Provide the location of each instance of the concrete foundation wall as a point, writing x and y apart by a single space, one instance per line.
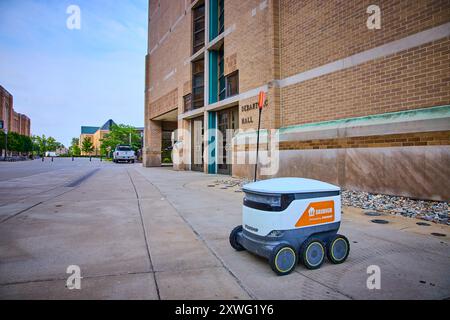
402 153
418 172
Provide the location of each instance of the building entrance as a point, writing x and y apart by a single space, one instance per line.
197 144
227 124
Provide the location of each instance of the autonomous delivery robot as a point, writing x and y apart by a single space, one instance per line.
290 219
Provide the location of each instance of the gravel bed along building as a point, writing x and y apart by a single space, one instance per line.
433 211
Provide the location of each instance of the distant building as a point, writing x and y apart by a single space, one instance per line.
62 151
12 120
95 134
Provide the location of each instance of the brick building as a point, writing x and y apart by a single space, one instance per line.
12 120
95 134
363 107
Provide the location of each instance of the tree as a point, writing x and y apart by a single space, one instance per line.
16 142
40 144
2 140
27 144
74 148
52 144
36 144
120 134
87 146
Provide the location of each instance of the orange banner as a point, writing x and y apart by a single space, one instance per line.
261 99
317 213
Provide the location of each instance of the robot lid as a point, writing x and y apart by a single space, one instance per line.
289 186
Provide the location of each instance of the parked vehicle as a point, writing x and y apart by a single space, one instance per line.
124 153
51 154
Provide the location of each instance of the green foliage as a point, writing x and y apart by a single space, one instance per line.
120 134
74 148
42 144
16 142
51 144
38 145
87 146
2 140
75 142
28 144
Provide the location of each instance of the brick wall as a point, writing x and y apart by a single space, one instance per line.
6 108
413 79
13 121
25 125
169 49
164 104
391 140
314 33
275 39
246 48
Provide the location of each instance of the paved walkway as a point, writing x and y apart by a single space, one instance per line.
153 233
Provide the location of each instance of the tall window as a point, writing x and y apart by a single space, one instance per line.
198 83
221 16
198 28
221 66
187 102
232 81
216 18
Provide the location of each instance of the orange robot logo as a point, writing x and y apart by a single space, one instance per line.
317 213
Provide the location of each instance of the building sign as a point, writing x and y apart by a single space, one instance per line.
247 120
247 108
251 107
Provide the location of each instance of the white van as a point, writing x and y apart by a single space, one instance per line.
50 154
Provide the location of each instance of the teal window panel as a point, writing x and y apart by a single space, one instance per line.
213 19
213 76
212 129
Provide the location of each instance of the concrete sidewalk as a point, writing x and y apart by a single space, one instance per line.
413 263
140 233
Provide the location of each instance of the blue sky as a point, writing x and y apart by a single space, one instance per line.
63 79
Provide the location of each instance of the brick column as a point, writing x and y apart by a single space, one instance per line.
273 94
153 144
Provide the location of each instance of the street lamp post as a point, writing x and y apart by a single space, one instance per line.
6 143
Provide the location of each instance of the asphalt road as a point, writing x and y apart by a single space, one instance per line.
20 169
153 233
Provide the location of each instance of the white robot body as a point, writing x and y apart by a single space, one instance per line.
284 218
